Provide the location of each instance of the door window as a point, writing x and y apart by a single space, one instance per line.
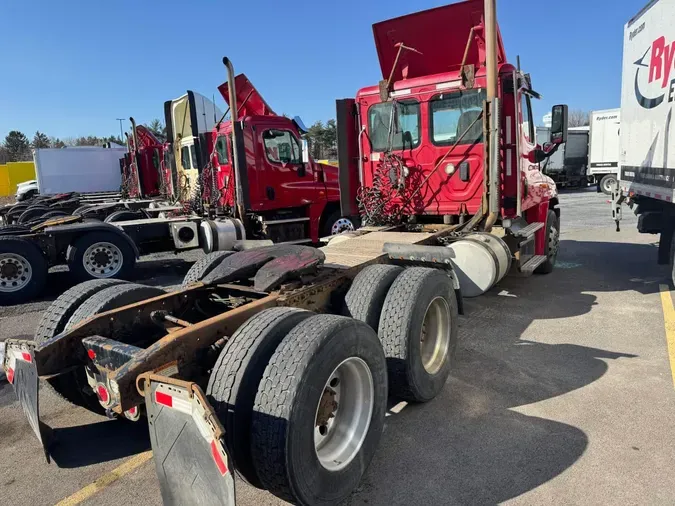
456 114
193 155
221 149
185 158
528 124
281 146
155 158
394 127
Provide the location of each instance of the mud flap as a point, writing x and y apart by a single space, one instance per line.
191 461
22 374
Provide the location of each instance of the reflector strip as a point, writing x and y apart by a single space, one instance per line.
173 402
26 357
163 399
218 458
10 375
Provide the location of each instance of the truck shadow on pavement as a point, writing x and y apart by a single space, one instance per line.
112 439
469 445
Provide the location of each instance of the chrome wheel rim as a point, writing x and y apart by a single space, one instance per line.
435 335
342 225
15 272
102 260
343 414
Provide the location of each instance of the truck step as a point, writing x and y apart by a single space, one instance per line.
534 262
528 230
281 222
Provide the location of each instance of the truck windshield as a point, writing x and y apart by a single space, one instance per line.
453 113
406 131
221 149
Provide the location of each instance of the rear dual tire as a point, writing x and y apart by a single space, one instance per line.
418 329
294 398
71 308
415 313
276 379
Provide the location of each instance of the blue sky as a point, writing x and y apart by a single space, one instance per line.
70 68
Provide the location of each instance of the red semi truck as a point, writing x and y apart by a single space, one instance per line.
276 362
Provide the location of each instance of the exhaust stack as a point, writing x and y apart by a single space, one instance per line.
493 119
236 139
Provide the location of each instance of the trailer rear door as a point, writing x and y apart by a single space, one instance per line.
603 156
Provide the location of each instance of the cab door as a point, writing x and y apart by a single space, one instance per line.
286 181
531 175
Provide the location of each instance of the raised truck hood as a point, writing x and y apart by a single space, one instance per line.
440 34
249 101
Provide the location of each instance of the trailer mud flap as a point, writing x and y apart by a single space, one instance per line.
22 373
192 464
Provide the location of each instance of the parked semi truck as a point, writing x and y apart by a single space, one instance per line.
183 202
276 362
603 149
647 161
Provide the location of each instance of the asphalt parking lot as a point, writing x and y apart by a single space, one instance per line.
562 394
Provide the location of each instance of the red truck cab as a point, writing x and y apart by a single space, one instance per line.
145 168
289 196
413 147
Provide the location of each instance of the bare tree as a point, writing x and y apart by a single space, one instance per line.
578 118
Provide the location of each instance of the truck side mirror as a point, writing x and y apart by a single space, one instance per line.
305 151
559 124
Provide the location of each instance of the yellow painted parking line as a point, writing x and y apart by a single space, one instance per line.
107 479
669 320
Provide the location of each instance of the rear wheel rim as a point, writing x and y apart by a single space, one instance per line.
15 272
435 335
553 242
609 183
343 414
102 260
342 225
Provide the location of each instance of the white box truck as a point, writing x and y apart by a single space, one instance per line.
603 149
81 170
647 144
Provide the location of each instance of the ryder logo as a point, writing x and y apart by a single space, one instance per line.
660 68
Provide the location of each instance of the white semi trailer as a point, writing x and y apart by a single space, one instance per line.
647 149
603 149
